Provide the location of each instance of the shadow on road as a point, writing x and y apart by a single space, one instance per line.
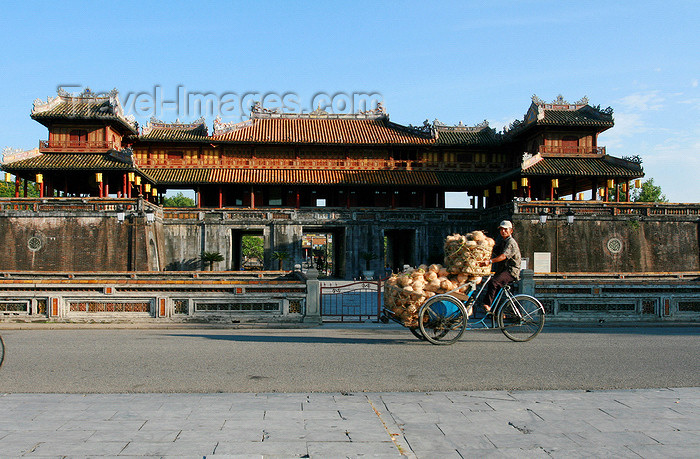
303 339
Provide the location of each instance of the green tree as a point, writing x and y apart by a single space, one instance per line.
7 190
179 200
649 193
252 246
211 258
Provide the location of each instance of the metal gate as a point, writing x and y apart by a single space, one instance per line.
353 302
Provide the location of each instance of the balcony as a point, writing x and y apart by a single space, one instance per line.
89 146
571 151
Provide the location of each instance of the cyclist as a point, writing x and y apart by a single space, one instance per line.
507 254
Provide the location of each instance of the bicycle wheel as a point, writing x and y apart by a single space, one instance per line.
521 318
442 319
2 351
417 333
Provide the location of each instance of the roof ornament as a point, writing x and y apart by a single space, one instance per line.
319 112
426 128
222 128
10 155
460 127
155 123
109 100
257 109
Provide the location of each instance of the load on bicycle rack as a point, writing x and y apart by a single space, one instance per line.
436 303
444 318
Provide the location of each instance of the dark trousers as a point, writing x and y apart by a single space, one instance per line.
499 280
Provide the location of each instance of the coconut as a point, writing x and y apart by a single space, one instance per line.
477 236
431 275
446 285
434 268
404 281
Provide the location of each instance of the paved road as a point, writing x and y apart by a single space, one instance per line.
544 424
378 358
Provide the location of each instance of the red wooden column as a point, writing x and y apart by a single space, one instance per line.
17 185
221 197
252 198
199 197
298 200
124 185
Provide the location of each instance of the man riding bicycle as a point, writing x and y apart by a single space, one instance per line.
507 255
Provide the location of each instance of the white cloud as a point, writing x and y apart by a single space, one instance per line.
626 125
642 101
694 83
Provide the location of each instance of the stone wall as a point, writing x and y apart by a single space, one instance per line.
74 235
59 234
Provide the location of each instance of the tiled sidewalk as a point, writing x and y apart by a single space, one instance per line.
622 423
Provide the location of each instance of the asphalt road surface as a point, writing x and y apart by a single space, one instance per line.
381 358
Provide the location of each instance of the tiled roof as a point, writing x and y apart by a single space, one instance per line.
481 137
185 135
585 116
177 131
378 131
69 161
604 166
318 177
84 106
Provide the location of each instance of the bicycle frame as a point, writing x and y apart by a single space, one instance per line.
502 296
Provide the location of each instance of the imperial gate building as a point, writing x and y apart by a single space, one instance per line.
360 182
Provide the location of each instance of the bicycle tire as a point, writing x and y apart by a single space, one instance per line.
2 351
442 319
417 333
521 318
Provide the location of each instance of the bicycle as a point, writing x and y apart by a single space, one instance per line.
2 351
444 318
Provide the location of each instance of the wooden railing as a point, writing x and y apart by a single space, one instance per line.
62 204
63 145
598 208
334 164
558 149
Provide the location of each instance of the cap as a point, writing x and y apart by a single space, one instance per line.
506 224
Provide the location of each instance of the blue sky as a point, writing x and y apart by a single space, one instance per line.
455 61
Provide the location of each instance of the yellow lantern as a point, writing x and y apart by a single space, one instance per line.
147 187
7 177
131 176
98 177
486 193
498 190
39 178
514 185
137 180
624 187
555 183
638 183
523 181
611 183
601 192
154 190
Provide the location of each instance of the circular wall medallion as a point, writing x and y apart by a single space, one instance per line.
614 245
34 243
